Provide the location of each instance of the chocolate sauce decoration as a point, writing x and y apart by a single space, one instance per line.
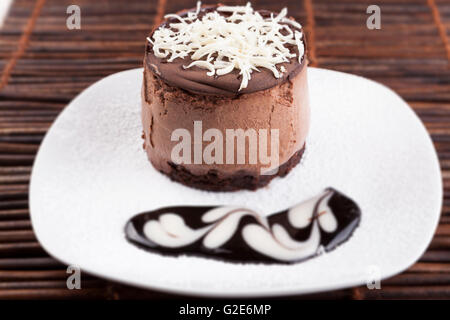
238 234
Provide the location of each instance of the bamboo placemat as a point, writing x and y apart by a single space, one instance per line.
44 65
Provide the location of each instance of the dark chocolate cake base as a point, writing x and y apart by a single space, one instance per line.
238 181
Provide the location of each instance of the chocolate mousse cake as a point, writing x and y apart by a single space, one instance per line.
224 97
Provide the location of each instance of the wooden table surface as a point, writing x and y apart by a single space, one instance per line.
44 65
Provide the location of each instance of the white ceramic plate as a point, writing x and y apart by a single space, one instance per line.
91 175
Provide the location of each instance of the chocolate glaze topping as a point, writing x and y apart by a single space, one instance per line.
242 235
195 80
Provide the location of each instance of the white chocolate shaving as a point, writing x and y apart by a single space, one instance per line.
242 40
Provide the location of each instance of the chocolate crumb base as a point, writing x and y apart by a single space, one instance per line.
238 181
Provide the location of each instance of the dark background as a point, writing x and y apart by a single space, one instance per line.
44 65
